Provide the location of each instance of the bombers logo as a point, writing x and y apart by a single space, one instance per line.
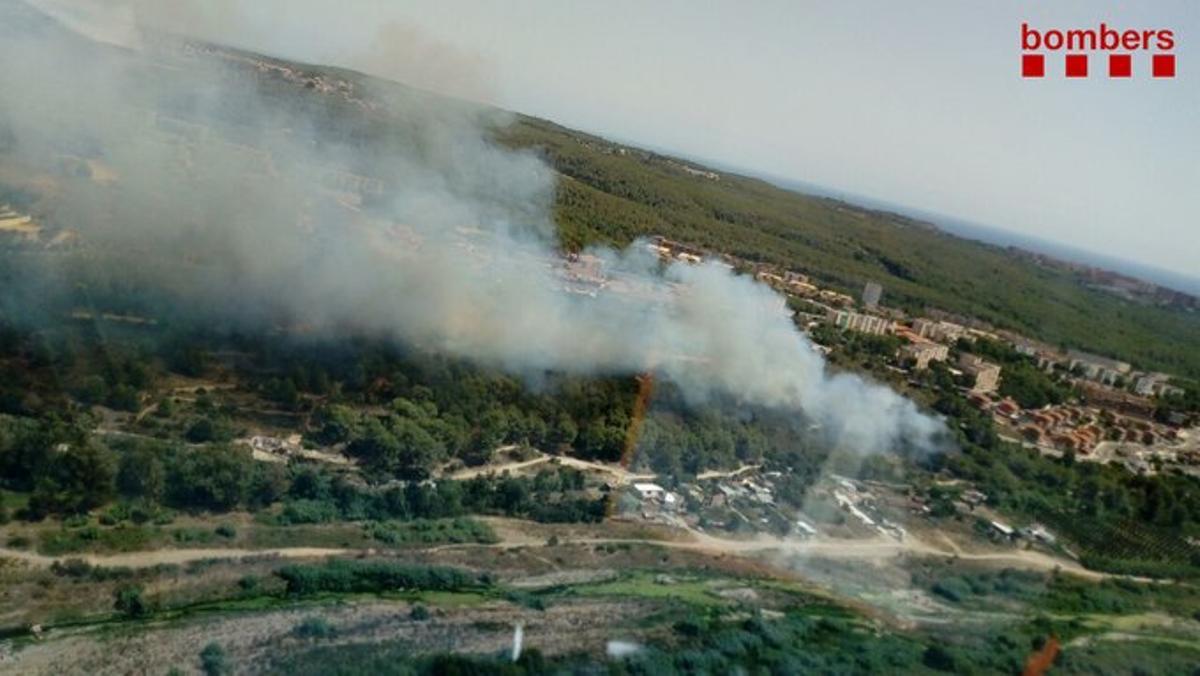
1120 46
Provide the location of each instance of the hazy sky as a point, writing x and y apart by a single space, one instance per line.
918 103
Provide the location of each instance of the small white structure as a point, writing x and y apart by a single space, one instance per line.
518 639
648 491
1038 532
974 497
619 649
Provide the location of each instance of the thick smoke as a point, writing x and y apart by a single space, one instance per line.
252 193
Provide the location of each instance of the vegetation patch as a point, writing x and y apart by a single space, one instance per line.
430 531
699 591
341 576
90 538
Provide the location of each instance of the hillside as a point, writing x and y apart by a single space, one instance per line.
612 194
298 374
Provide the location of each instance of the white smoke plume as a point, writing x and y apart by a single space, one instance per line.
253 192
518 639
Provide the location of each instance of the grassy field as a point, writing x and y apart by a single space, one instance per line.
691 590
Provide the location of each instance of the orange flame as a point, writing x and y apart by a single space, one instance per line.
1039 663
636 418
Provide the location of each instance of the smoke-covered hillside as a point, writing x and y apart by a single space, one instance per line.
179 182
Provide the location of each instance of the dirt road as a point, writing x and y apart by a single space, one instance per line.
623 475
513 533
151 558
717 474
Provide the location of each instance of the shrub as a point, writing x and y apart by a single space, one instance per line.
200 565
689 628
202 431
419 613
190 535
358 576
71 568
140 512
952 588
314 627
940 658
129 602
308 511
226 531
523 598
213 660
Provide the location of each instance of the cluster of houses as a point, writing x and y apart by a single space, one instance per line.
309 80
1108 385
718 502
785 281
655 498
856 499
669 250
1077 427
748 488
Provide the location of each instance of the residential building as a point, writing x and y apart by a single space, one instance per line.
1155 385
872 292
804 289
1007 408
985 375
1097 368
941 331
924 351
788 282
835 298
856 321
1045 356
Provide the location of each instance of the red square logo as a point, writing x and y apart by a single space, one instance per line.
1077 65
1163 65
1033 65
1120 65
